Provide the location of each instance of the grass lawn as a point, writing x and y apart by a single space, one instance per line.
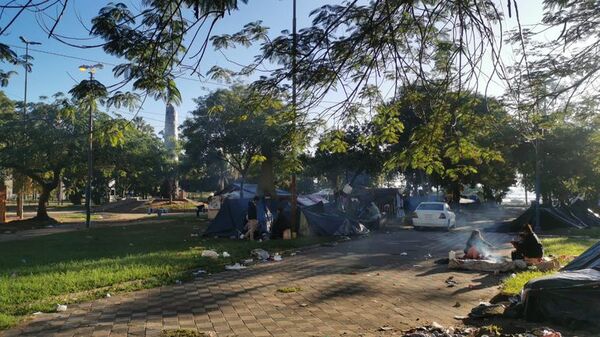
565 248
38 273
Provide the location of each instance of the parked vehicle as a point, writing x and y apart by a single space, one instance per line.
434 215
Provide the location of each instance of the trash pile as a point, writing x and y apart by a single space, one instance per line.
263 255
436 330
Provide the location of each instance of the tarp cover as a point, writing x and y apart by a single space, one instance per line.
569 297
550 218
327 220
230 219
322 219
249 191
589 259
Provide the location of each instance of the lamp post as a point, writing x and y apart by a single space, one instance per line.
294 106
27 66
91 69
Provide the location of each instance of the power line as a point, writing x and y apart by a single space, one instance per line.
37 50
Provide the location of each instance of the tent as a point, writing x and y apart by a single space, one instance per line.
321 219
382 197
311 199
550 218
326 220
230 219
565 298
250 190
588 259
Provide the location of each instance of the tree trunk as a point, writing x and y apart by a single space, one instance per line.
266 182
456 193
42 210
242 187
47 188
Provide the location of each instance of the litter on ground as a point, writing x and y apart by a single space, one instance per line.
260 254
236 266
210 254
437 330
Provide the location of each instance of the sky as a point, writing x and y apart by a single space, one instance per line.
55 65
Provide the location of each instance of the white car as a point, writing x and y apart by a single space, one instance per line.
434 215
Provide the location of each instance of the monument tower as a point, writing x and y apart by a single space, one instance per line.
170 138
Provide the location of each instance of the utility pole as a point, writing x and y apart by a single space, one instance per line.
294 209
20 184
88 192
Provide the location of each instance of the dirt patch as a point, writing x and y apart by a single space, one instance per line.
183 205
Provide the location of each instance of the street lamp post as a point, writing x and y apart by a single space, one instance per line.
294 207
91 69
20 192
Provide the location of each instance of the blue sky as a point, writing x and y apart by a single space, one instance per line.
52 73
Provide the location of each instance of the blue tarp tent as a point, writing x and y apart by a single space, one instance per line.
326 220
249 190
230 219
320 219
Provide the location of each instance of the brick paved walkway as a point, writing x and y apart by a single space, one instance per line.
351 289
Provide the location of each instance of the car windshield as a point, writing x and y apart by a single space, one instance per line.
431 207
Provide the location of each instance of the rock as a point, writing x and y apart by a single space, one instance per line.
226 254
456 305
108 295
385 328
61 308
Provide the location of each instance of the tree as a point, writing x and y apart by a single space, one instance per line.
448 137
41 144
241 128
50 139
341 156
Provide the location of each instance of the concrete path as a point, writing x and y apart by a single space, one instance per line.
351 289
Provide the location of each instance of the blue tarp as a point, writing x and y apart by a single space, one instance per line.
250 190
588 259
328 220
231 219
323 219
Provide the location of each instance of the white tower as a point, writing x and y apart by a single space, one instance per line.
170 138
170 132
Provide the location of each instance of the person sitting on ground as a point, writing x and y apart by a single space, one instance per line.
477 247
252 218
528 247
280 224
